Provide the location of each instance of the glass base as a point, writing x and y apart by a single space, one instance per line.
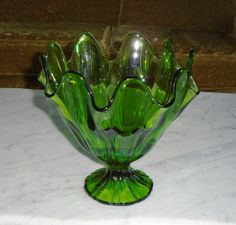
118 187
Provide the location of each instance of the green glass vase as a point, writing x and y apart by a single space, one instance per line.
117 109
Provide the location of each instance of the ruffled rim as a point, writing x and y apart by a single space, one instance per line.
188 68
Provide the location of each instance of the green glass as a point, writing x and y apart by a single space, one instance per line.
117 109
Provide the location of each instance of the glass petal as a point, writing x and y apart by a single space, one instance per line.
136 59
55 63
184 93
131 106
75 103
164 92
88 60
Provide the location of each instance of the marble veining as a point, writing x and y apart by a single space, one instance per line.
42 172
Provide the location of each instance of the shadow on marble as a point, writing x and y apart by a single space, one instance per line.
48 107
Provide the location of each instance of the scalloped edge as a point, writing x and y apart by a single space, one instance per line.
147 89
45 79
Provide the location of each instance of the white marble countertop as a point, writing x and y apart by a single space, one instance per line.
42 174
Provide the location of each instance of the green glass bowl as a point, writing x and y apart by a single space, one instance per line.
117 109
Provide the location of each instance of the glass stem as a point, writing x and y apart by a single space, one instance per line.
123 168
